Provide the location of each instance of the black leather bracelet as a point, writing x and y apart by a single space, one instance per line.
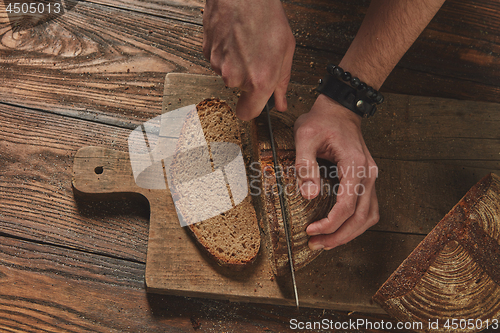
354 94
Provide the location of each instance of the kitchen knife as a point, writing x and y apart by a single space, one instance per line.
284 212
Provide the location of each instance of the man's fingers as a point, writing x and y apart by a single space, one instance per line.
347 203
251 45
306 166
232 75
251 104
364 218
215 60
280 94
356 225
356 208
339 214
282 86
255 94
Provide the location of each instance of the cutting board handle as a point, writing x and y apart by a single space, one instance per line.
101 170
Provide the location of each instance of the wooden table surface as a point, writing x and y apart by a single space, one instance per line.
94 72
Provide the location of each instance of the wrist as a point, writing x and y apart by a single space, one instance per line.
372 76
349 91
335 109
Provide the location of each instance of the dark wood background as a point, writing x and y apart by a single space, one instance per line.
90 74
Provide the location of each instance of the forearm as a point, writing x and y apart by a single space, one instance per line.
387 32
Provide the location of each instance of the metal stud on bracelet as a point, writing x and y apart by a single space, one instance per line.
350 91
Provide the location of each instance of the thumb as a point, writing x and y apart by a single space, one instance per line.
306 166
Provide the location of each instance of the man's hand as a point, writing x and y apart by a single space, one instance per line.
251 45
332 132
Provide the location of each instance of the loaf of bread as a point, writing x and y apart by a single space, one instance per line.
228 230
300 212
454 272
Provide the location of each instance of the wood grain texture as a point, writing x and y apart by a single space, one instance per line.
49 288
36 197
409 128
454 272
431 129
455 57
114 67
37 155
106 60
38 203
176 266
190 11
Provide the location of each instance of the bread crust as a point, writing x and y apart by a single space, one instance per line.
301 212
231 238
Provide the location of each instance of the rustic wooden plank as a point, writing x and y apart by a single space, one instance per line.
104 62
183 270
414 196
435 129
37 152
50 288
459 137
455 57
33 83
36 197
56 289
185 11
176 266
37 156
471 27
463 32
112 70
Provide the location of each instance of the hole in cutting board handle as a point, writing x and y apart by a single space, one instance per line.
99 170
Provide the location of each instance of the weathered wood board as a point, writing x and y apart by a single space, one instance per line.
113 70
345 278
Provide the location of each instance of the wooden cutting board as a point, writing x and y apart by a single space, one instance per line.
345 278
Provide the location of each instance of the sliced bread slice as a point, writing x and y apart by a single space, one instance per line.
232 237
